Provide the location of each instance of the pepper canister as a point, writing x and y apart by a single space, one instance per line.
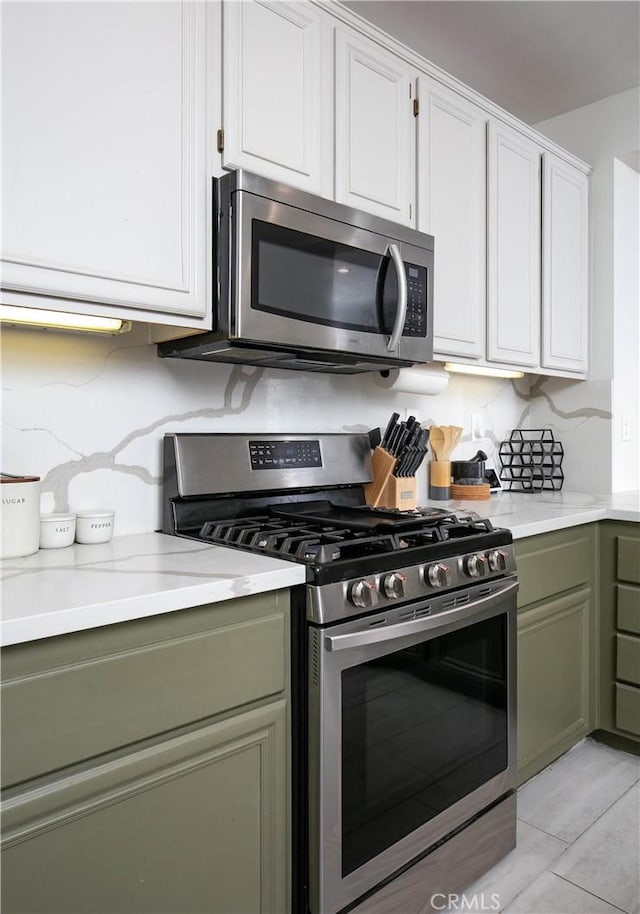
20 516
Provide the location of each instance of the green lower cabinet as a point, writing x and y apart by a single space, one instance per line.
556 645
553 679
192 825
619 691
187 820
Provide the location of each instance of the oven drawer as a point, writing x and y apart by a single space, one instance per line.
77 696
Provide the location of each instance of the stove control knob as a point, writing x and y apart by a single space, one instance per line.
436 575
475 565
497 560
393 585
363 594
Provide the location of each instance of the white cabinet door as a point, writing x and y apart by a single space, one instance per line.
375 129
104 179
452 208
565 300
513 248
277 91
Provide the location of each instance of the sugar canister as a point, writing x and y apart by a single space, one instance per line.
20 515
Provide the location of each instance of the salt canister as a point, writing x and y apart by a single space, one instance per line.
57 530
20 516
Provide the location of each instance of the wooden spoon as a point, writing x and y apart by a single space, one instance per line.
452 434
448 442
436 440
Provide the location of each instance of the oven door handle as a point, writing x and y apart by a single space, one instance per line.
391 632
401 312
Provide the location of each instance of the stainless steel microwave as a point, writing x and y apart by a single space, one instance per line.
302 282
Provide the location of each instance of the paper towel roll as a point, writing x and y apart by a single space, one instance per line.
427 380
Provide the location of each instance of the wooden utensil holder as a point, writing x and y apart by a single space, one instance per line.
440 480
387 490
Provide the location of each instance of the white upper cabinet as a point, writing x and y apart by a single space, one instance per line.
452 208
104 177
374 128
116 115
513 248
565 230
277 90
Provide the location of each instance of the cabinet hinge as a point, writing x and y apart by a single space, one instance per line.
416 107
220 140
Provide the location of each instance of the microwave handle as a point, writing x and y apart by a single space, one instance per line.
401 312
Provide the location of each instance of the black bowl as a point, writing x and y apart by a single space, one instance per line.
467 472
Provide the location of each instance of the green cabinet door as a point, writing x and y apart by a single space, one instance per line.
553 680
194 824
556 644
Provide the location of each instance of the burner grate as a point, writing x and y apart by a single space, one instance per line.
320 542
317 543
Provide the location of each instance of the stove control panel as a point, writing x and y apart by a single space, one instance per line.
284 455
414 582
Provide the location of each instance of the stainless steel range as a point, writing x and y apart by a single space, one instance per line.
403 662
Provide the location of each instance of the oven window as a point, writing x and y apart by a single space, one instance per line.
324 282
421 729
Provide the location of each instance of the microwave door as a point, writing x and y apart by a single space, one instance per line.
311 282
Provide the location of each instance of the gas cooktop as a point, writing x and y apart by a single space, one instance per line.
216 492
304 534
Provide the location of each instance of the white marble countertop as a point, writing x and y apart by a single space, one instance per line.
57 591
529 514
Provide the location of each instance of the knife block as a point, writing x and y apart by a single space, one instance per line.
400 492
387 490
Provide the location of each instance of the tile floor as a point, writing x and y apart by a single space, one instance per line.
578 840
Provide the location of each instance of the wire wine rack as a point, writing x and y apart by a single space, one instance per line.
531 461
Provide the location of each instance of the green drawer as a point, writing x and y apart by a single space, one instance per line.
76 696
628 559
628 601
551 563
628 658
628 708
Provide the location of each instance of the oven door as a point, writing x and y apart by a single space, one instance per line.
411 734
307 281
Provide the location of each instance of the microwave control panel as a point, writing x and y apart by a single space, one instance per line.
416 321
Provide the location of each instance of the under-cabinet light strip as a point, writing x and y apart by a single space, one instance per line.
484 370
61 320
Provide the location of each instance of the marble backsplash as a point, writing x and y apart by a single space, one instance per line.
579 415
87 414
